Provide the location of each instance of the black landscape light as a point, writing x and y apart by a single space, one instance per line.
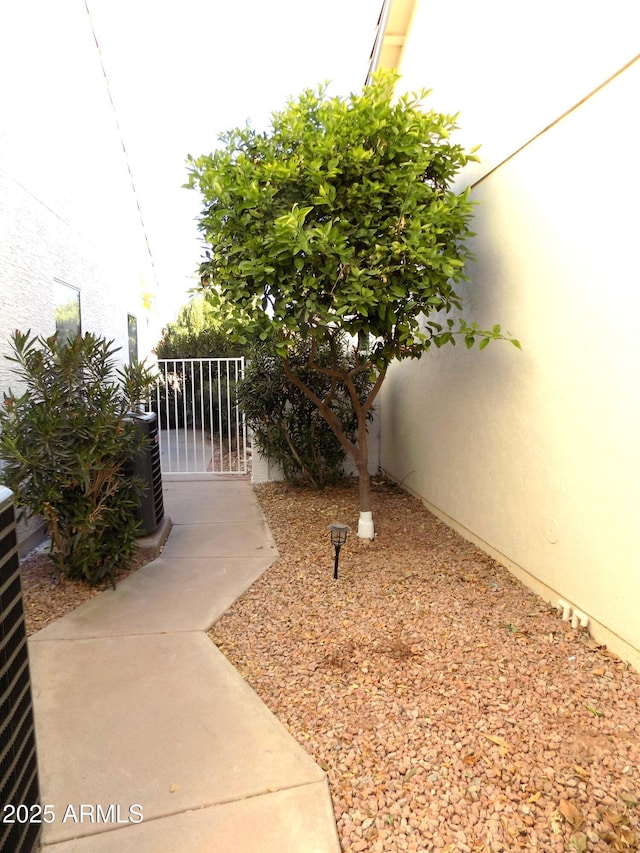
338 538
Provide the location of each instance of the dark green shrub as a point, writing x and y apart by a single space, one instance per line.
287 427
67 447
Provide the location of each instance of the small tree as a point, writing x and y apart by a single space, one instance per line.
339 220
68 448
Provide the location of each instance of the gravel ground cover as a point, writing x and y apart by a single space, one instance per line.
451 708
47 595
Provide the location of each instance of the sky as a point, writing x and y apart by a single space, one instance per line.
181 72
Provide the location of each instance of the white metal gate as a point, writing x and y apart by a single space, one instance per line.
200 424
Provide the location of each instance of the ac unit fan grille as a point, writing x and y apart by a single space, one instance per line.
18 758
156 471
146 468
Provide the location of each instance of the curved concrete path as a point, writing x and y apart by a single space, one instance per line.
148 739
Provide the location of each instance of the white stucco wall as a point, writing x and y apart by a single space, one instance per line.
535 455
67 209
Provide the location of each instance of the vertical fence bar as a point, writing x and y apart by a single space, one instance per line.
234 380
228 414
220 424
211 430
184 416
240 422
175 414
202 426
245 437
192 427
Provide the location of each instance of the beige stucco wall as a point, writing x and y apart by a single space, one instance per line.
67 209
535 455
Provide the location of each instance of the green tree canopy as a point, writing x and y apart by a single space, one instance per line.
340 219
197 333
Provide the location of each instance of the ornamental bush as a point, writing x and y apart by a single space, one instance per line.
287 427
68 447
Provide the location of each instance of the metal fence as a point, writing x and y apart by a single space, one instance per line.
201 427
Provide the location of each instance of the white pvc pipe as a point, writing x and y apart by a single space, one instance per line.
581 619
365 526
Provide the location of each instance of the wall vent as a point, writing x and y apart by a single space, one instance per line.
18 759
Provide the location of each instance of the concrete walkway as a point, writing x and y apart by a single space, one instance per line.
139 715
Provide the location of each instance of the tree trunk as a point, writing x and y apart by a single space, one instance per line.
358 451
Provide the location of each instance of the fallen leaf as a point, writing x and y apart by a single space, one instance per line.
605 653
497 740
578 842
627 836
509 830
580 771
535 797
611 817
599 671
621 840
571 813
174 788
